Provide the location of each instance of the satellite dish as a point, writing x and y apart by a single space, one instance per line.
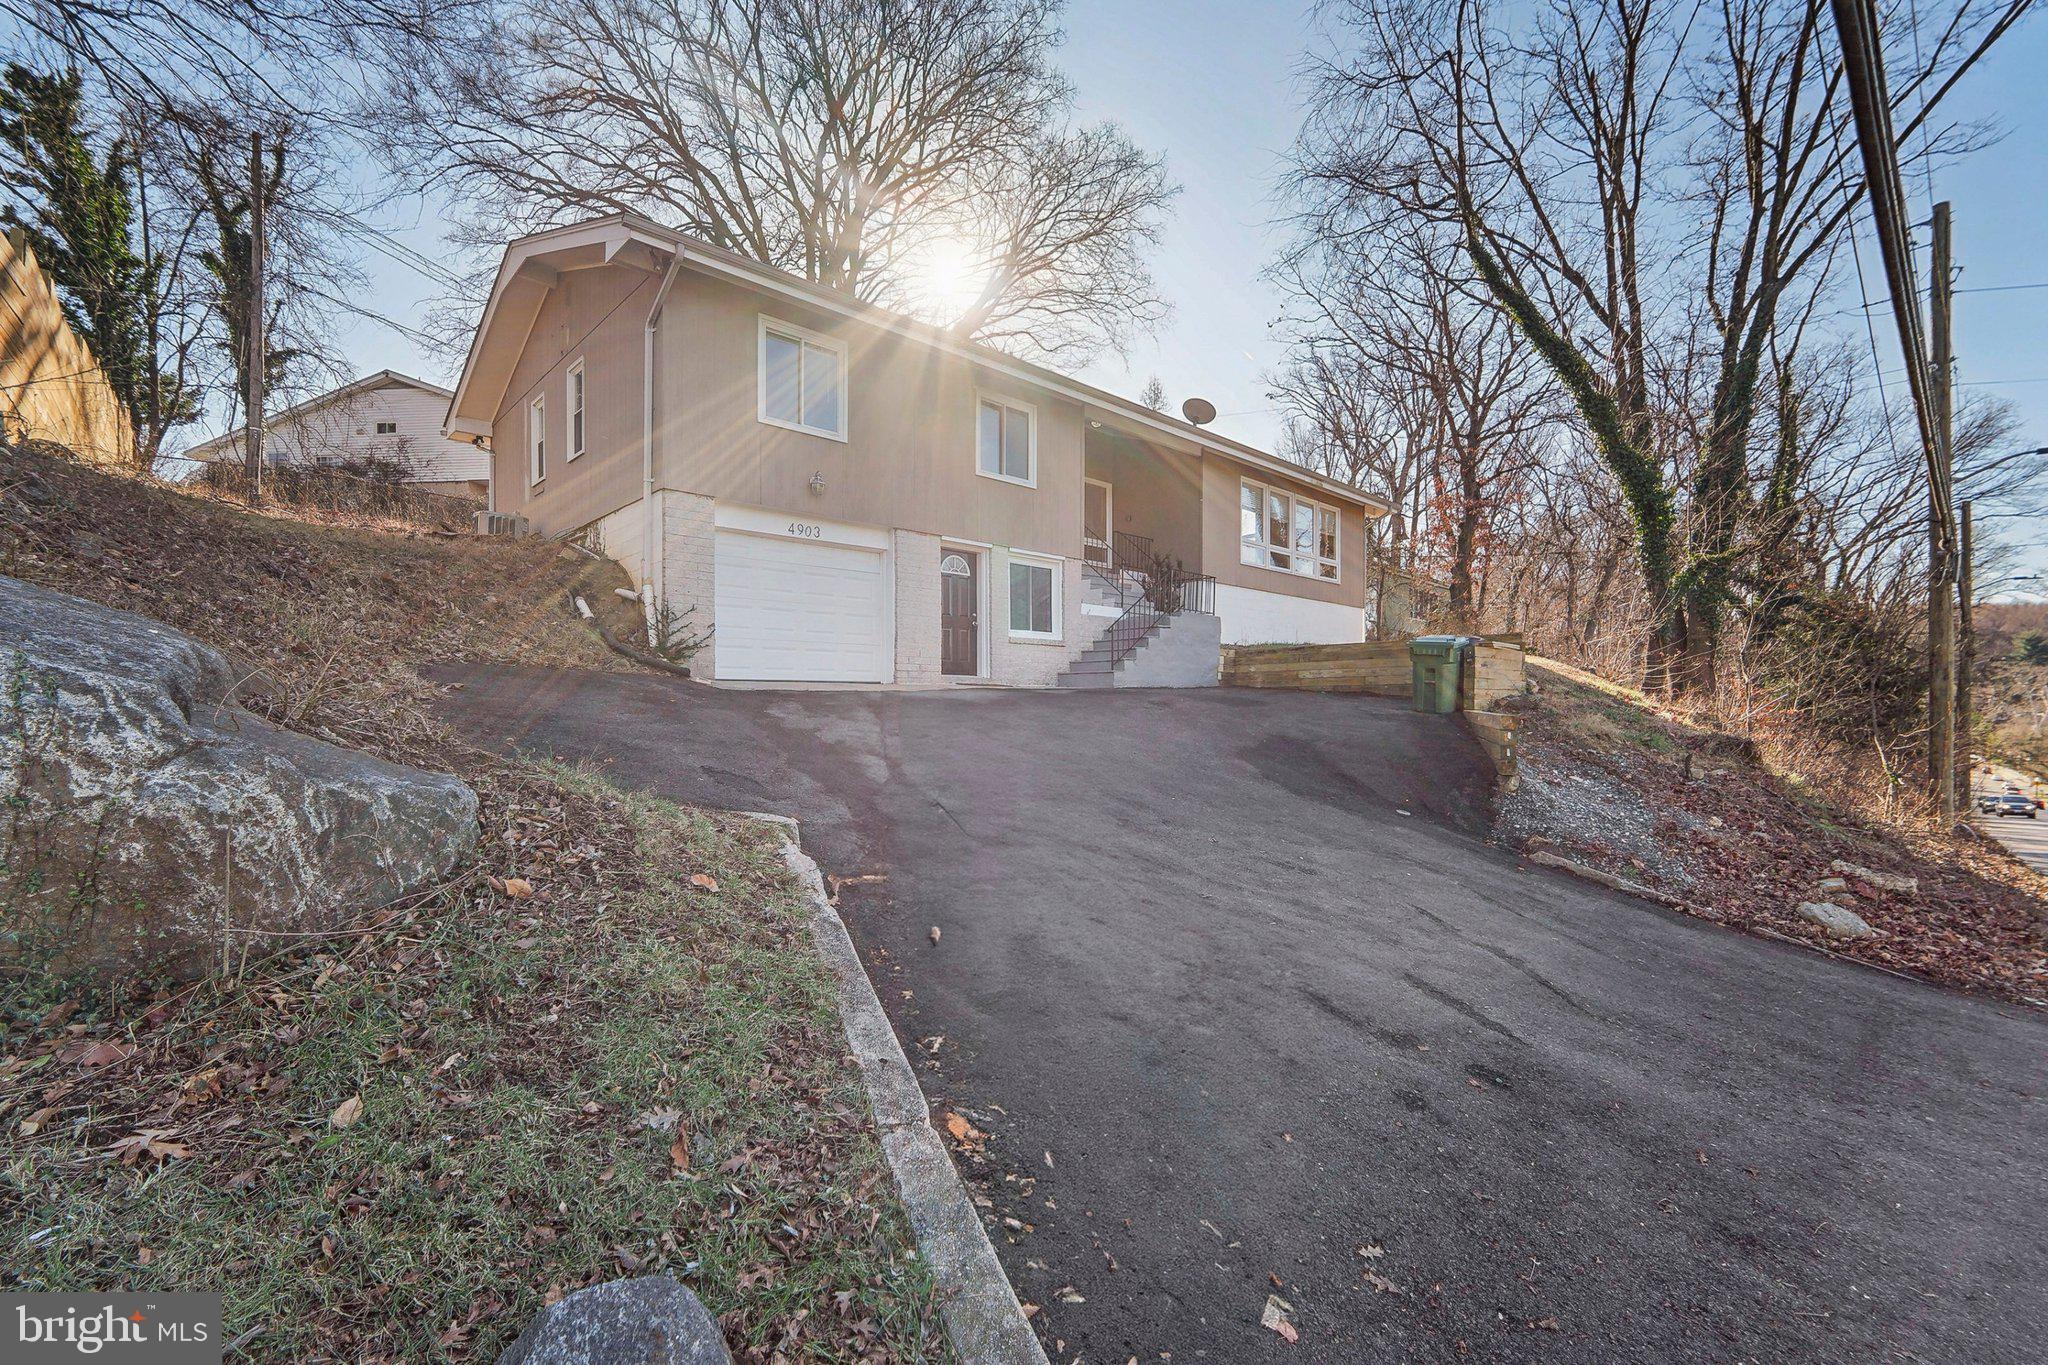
1199 411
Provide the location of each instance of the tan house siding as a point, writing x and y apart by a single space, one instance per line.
1222 477
1154 492
599 316
908 460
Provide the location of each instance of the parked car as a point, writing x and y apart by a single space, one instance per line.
2012 803
1987 805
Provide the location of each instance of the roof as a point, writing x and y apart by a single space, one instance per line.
525 275
380 380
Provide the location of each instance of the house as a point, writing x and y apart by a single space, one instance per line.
386 417
842 494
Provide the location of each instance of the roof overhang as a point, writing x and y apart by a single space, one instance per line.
529 272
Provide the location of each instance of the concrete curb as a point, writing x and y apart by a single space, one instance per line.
983 1318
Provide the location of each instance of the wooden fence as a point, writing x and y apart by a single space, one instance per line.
51 387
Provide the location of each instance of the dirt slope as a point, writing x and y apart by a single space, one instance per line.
1609 781
328 620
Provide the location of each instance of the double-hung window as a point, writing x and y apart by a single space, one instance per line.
1005 441
803 380
1034 598
575 411
537 440
1277 530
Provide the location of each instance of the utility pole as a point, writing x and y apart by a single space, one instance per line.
254 340
1863 70
1943 709
1966 656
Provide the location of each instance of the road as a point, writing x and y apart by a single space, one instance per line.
2028 839
1248 1006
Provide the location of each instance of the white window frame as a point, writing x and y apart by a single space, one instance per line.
806 336
537 440
1030 411
1299 565
1058 567
379 428
577 391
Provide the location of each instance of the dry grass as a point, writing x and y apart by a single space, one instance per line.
619 1070
1719 822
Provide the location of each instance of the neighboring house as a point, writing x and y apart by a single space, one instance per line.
842 494
387 416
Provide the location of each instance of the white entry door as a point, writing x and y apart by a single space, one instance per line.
788 610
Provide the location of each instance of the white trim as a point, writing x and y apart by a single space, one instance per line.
576 410
1030 410
763 521
983 561
1108 513
536 440
804 336
1266 490
1058 567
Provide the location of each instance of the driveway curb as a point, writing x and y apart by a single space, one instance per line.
983 1319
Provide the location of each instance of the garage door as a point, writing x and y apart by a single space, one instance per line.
797 611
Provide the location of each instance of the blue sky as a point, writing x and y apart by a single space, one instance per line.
1213 86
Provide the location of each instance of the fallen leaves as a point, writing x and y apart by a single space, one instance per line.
704 881
1278 1318
149 1145
518 888
346 1113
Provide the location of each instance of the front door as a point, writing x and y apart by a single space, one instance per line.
959 616
1095 526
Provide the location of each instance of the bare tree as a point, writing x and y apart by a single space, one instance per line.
1572 149
1415 334
918 155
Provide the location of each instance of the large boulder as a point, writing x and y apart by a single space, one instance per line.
152 824
653 1320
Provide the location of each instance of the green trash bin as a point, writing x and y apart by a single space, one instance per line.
1436 659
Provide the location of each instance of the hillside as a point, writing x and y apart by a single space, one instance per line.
1611 782
605 1048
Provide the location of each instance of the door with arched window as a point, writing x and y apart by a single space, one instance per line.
959 615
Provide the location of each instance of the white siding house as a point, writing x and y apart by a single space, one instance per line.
386 416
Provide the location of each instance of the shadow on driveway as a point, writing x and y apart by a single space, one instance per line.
1240 990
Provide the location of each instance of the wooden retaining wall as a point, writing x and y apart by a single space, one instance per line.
1379 668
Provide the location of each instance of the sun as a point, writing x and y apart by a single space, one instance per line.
949 277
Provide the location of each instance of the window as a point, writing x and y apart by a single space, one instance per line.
1034 599
387 428
803 380
575 410
537 440
1277 530
1004 442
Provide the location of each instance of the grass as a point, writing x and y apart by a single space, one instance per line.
573 1063
622 1073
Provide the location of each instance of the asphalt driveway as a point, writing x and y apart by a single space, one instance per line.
1244 999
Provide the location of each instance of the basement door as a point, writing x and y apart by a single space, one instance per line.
959 616
790 610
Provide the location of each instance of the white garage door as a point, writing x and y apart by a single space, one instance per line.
797 611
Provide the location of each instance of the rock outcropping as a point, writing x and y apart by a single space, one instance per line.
649 1321
150 824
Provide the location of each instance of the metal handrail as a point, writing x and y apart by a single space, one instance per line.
1160 597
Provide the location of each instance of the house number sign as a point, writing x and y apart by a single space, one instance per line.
806 530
